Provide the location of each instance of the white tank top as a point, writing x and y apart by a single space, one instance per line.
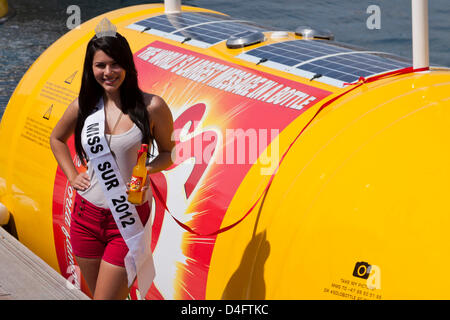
125 147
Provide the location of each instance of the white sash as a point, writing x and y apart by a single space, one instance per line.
139 260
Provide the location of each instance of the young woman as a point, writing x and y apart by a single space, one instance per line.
131 118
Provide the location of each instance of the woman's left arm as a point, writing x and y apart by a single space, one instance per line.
161 121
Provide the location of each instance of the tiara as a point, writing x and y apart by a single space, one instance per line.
105 29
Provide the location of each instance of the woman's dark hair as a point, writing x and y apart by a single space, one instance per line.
131 96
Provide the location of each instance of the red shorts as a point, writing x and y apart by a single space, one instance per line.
94 233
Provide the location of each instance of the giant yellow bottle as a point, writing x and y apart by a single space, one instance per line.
138 177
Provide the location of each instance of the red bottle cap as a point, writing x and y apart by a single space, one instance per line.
144 148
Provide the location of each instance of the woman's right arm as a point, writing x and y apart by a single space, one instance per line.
58 142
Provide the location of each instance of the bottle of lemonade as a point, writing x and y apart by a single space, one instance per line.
138 177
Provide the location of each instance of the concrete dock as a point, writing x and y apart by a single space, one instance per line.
25 276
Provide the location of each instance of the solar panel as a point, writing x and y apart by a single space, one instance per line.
325 61
214 33
201 29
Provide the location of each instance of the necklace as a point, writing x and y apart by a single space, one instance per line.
112 131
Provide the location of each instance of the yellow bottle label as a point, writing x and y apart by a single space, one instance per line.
135 183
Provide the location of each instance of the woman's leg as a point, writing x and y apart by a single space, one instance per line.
112 282
89 269
85 231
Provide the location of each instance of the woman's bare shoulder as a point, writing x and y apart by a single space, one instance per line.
156 106
74 105
154 103
66 124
